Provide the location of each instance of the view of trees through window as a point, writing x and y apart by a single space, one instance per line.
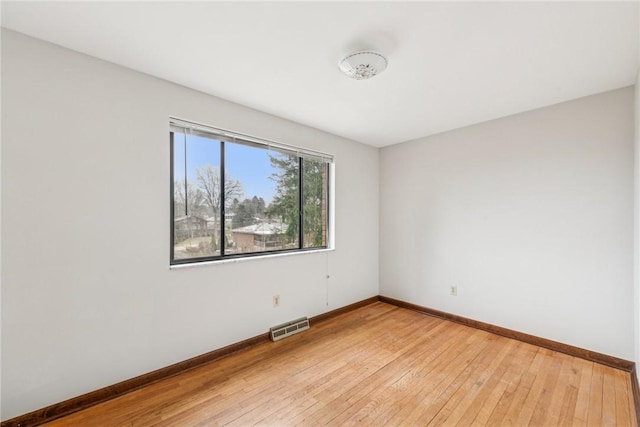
263 199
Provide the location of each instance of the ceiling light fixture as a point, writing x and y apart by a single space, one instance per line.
363 65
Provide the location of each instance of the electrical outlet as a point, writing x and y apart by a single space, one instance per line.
276 300
453 290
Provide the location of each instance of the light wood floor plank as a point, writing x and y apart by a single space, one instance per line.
542 412
608 399
596 396
572 376
380 365
623 403
509 415
471 385
413 389
581 413
513 392
485 403
445 382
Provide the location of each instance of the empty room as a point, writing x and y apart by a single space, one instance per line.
320 213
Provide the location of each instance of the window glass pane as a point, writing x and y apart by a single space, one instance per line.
264 215
196 196
314 203
179 207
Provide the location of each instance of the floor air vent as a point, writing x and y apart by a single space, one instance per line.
289 328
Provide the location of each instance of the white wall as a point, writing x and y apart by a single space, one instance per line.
0 226
88 297
636 234
531 216
636 220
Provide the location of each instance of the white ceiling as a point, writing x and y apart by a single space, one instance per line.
451 64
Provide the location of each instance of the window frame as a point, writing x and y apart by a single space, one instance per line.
226 136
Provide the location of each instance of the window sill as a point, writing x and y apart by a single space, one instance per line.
246 259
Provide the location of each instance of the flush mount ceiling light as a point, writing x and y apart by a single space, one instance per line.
363 65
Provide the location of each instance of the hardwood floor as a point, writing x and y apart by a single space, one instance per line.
381 365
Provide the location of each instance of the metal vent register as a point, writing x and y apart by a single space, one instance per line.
287 329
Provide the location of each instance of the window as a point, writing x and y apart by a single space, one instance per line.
237 196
